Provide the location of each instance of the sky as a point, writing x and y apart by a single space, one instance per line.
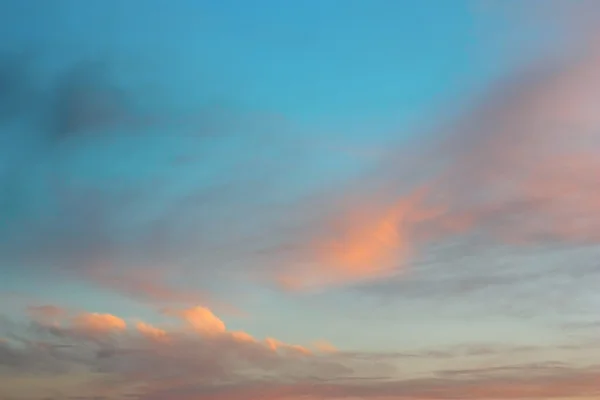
315 200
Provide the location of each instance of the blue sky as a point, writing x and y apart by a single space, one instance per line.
303 61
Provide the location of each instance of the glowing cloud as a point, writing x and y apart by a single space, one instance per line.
98 323
151 332
202 320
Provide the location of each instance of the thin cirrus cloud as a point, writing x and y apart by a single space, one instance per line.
116 230
512 148
521 168
179 200
533 152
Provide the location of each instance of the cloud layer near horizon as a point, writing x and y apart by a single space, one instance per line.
107 357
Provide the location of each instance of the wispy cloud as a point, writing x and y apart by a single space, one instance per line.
519 169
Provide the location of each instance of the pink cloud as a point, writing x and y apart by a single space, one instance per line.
200 350
152 332
202 320
324 346
562 384
519 168
527 166
142 283
46 312
183 362
96 323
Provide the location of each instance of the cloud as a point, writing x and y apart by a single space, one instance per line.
560 384
523 166
86 99
152 332
360 240
95 323
120 203
325 346
519 168
46 312
199 358
116 357
202 320
142 283
125 200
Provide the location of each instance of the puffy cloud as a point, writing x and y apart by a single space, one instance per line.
181 363
324 346
199 351
98 323
203 320
151 332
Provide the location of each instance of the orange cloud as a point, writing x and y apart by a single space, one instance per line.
272 344
242 336
151 332
98 323
131 362
298 349
202 320
276 345
82 324
520 168
366 240
324 347
232 365
369 241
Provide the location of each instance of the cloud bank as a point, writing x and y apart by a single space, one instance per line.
197 357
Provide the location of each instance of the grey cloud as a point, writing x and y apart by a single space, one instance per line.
127 359
85 98
194 367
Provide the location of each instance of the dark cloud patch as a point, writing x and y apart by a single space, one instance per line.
86 98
